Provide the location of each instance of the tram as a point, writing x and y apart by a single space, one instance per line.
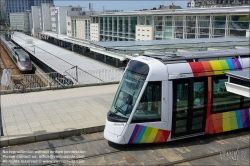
168 97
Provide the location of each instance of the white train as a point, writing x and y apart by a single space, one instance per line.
165 98
18 55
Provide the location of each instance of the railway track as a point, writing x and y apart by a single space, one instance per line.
100 151
7 63
200 157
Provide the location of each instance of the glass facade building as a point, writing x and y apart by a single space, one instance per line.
116 28
173 24
19 6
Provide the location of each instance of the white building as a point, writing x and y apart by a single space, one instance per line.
36 19
58 19
41 18
46 16
170 24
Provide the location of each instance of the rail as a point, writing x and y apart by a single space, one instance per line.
56 80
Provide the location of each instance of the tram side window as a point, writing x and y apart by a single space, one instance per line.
222 99
149 108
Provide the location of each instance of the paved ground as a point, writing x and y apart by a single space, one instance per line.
59 110
231 148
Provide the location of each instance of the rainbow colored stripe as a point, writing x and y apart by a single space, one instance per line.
214 67
145 134
227 121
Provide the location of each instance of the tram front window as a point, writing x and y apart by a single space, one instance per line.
128 91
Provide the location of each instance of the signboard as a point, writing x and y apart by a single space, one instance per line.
29 41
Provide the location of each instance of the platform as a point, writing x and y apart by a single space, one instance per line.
62 61
44 115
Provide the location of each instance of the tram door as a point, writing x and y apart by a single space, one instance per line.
189 106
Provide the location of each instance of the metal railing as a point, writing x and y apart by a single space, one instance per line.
69 79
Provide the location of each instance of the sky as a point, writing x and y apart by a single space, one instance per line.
121 5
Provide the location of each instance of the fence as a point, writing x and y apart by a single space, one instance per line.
70 78
94 76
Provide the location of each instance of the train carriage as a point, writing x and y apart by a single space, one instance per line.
18 55
170 97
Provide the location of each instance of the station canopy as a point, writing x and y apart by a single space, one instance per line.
239 82
241 75
162 47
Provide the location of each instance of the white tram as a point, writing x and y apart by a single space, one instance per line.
164 98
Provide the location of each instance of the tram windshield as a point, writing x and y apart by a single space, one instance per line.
129 89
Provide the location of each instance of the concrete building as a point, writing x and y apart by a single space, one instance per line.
19 6
78 23
170 24
217 3
41 18
46 16
20 21
58 19
151 24
36 25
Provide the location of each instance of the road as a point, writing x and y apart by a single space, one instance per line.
230 148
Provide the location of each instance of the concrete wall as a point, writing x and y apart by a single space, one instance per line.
62 19
94 32
46 16
35 19
144 32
